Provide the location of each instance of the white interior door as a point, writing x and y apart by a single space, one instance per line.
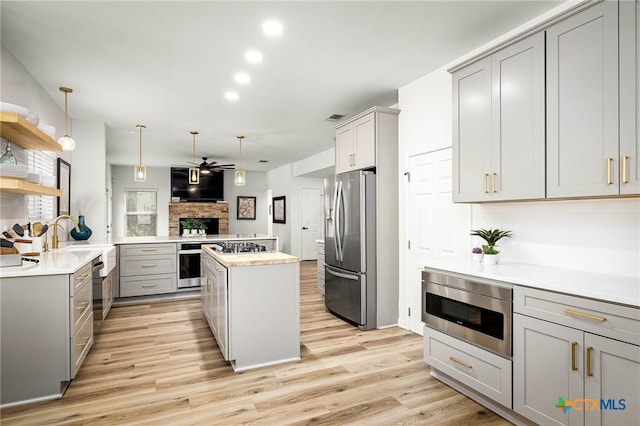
436 226
310 222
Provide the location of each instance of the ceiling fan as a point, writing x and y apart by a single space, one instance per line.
212 166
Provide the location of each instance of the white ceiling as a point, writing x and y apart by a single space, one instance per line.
167 65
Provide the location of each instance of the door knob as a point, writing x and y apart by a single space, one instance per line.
304 227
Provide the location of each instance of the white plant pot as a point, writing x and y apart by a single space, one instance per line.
477 257
185 232
490 259
194 232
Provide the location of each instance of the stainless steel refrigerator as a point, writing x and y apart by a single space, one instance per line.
350 247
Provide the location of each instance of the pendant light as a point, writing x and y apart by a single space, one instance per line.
140 170
241 178
194 172
67 142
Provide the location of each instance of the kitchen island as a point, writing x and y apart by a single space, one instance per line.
251 302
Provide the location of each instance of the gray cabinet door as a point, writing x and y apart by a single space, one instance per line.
629 86
582 104
472 132
547 363
518 139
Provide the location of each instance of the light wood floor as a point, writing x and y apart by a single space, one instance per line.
158 364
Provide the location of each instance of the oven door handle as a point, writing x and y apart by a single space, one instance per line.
189 251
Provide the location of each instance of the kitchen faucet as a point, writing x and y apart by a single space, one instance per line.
54 238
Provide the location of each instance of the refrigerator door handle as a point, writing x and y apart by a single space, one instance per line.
336 222
342 275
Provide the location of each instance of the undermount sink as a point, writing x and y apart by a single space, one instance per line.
108 254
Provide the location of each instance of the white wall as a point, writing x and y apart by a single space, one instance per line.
157 178
256 187
88 173
590 235
17 86
283 182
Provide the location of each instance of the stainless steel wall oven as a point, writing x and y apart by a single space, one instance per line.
476 312
189 265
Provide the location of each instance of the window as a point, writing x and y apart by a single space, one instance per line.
40 207
141 212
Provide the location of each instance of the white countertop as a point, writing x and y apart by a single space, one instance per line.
250 259
609 288
53 263
196 238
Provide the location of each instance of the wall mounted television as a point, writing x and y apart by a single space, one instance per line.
210 188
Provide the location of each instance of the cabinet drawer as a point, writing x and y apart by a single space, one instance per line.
80 278
81 343
149 284
147 249
477 368
606 319
81 307
146 265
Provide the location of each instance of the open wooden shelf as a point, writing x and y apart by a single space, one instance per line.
18 186
20 132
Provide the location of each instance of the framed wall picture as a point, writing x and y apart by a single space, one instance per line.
64 183
279 209
246 208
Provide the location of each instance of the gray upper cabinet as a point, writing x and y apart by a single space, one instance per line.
629 86
498 142
582 104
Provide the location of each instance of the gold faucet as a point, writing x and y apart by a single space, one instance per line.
54 238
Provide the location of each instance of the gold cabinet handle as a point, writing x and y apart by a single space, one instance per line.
573 356
609 180
148 285
493 183
152 249
464 364
219 269
583 315
83 344
149 265
82 306
625 158
82 277
486 175
589 372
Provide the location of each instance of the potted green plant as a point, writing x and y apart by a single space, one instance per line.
190 226
491 237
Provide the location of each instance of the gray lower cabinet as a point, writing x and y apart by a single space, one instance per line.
46 324
582 104
147 269
498 137
559 351
253 311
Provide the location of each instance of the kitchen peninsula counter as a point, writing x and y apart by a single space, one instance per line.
250 259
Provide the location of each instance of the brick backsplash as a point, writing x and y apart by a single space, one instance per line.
215 210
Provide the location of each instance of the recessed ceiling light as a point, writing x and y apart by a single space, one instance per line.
253 57
242 78
232 96
272 28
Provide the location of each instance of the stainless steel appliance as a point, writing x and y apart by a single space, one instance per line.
479 313
189 265
103 286
240 247
350 255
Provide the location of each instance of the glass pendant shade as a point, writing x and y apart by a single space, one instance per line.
140 173
194 176
67 142
140 170
240 179
194 172
7 157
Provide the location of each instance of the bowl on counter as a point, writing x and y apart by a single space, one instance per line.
7 107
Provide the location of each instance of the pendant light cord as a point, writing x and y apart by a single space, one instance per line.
66 115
